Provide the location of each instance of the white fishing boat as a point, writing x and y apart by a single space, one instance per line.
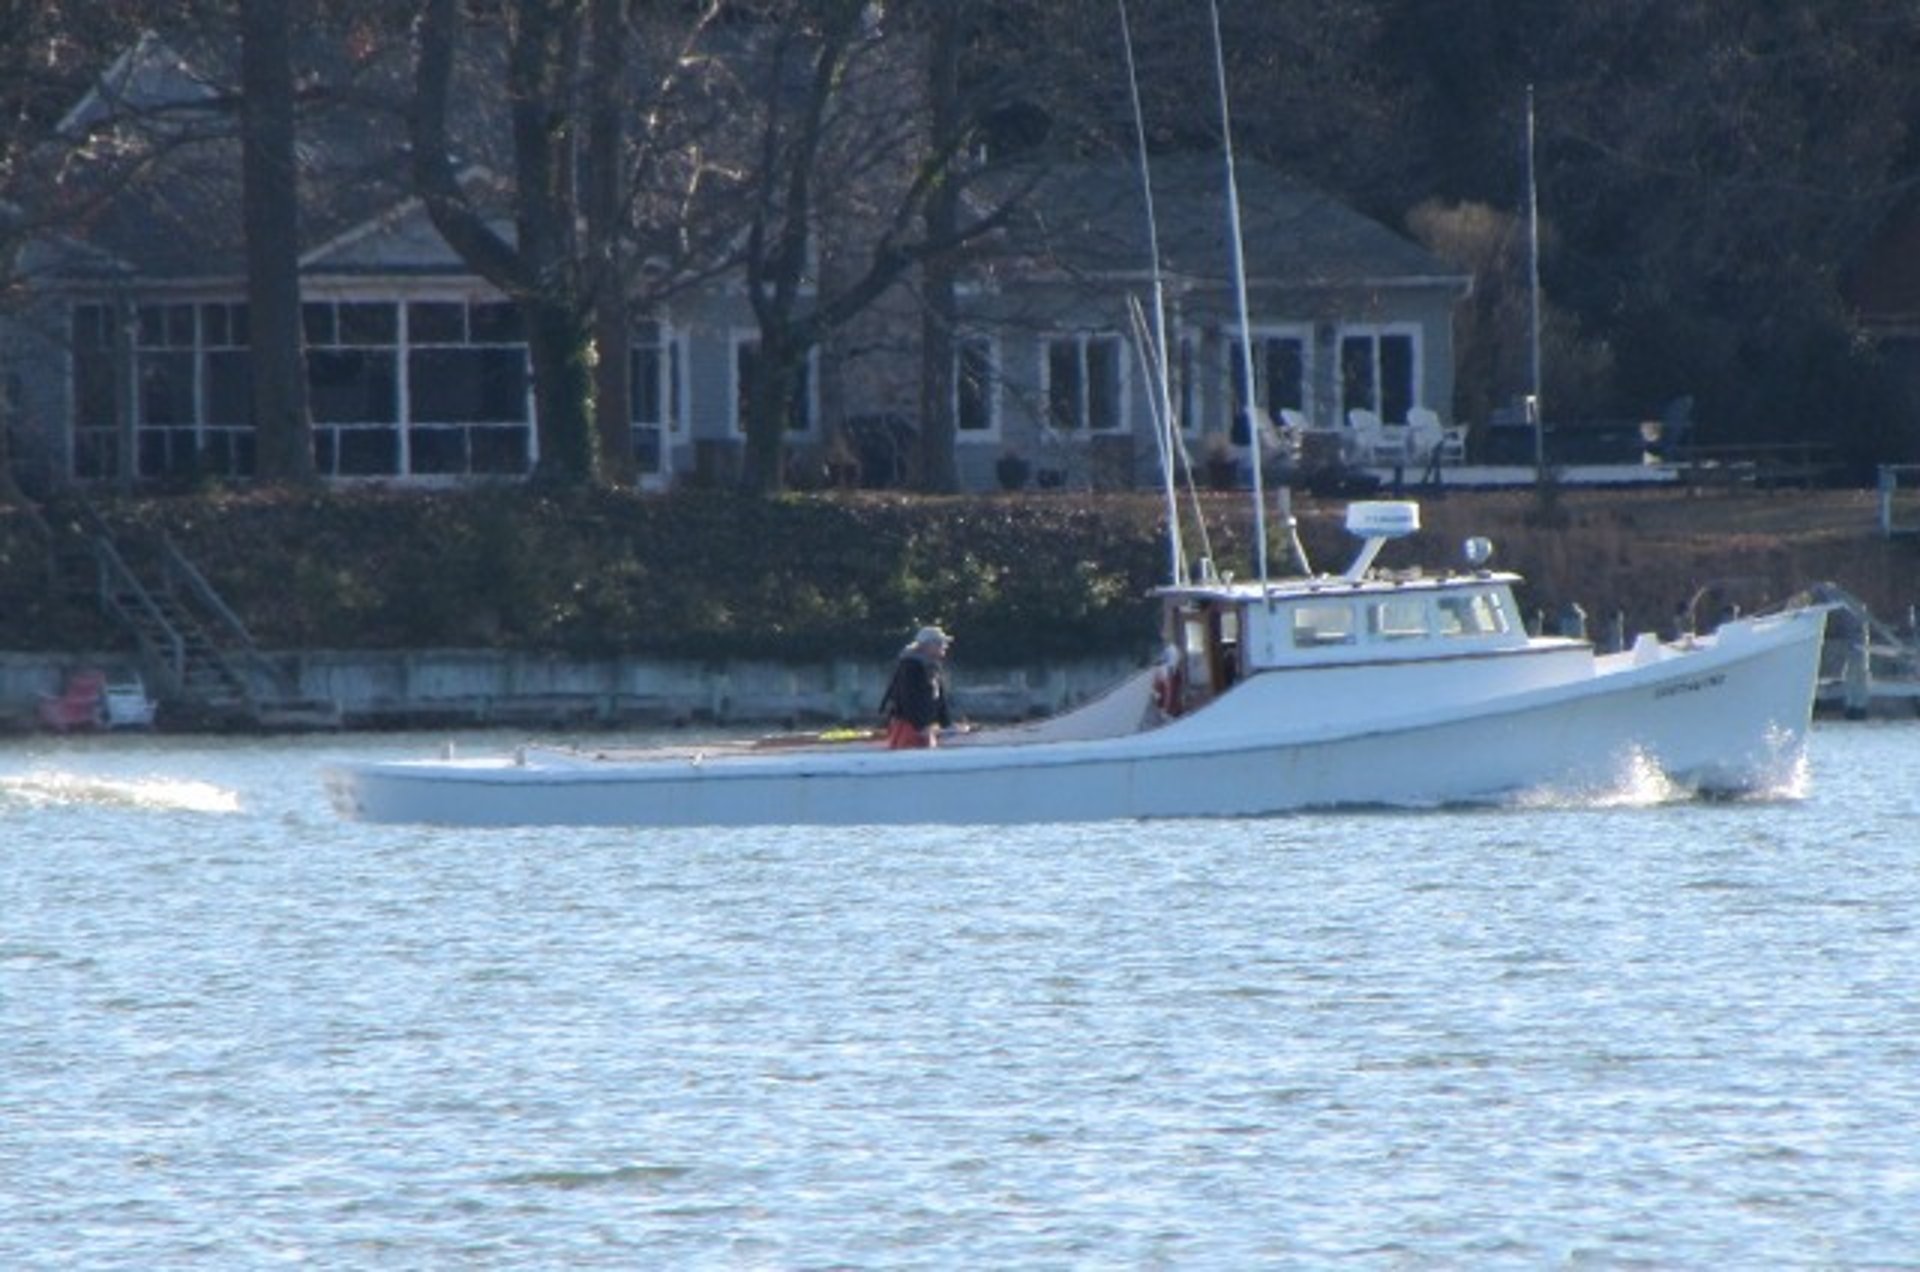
1373 687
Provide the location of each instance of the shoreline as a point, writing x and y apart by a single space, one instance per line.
398 690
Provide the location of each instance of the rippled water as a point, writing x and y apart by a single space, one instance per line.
237 1032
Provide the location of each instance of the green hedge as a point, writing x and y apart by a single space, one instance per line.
694 574
715 575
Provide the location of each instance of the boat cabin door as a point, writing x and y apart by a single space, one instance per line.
1205 637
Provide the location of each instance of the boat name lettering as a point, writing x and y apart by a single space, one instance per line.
1692 686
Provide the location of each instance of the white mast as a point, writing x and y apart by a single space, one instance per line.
1240 297
1166 426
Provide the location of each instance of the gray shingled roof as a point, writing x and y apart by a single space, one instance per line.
179 216
1090 219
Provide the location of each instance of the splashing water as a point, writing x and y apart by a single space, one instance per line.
1639 781
159 794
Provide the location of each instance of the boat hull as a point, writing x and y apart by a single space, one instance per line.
1729 716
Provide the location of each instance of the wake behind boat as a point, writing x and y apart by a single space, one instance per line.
1370 687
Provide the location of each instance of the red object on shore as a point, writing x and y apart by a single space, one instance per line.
80 706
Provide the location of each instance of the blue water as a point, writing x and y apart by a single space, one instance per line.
236 1032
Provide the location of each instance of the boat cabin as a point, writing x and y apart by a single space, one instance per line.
1219 631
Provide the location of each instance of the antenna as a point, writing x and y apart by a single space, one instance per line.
1534 414
1240 298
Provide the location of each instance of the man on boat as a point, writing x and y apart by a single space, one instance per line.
915 703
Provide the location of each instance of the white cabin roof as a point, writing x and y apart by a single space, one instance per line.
1330 620
1234 592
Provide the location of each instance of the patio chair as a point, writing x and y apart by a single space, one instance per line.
1373 442
1425 436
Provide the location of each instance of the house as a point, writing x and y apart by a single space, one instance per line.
129 363
1344 314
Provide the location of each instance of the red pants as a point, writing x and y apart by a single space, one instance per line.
902 736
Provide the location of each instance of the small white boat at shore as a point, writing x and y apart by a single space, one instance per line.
1372 687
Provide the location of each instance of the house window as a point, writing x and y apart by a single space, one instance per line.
96 435
353 387
165 409
1378 371
1186 382
425 388
1083 383
974 388
746 353
227 437
193 391
1279 377
467 383
654 379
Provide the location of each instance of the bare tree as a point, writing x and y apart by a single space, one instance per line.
846 154
937 470
541 267
609 193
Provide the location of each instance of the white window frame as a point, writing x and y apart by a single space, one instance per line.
1262 333
1123 405
409 344
1375 333
670 390
673 345
990 392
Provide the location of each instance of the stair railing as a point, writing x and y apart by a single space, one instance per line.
183 576
119 585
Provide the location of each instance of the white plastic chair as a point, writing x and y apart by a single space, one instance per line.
1431 440
1372 442
1425 436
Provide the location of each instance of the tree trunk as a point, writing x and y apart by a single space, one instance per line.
937 471
540 271
613 333
282 427
559 345
772 380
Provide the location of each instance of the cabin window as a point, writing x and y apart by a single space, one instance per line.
1318 625
1399 618
1473 614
